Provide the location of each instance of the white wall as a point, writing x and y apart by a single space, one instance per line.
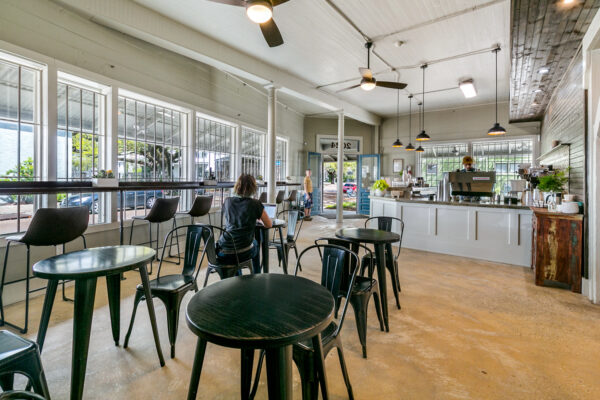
452 124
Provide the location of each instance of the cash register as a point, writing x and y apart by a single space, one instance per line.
472 184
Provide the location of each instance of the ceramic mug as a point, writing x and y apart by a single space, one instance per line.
569 197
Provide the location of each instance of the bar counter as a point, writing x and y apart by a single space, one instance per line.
492 232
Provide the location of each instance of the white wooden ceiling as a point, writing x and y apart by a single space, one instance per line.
322 48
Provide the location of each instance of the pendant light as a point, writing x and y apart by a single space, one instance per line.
496 130
423 136
420 149
410 147
397 144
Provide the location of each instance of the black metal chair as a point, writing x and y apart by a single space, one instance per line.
263 197
20 395
200 208
295 219
162 210
385 224
171 289
21 356
333 275
214 264
364 287
291 199
49 227
279 198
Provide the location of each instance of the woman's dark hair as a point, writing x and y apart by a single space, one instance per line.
245 186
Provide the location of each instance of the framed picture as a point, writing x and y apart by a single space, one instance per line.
398 165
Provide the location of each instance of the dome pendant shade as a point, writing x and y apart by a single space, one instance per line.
420 149
422 137
496 130
397 143
368 84
410 147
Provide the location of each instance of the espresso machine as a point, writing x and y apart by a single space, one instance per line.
472 184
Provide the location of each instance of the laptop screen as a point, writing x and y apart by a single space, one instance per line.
271 210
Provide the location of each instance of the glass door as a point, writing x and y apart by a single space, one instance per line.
315 163
368 173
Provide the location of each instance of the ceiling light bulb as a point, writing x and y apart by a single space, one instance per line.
259 11
468 88
543 70
367 84
568 1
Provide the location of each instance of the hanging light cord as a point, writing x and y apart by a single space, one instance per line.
409 117
398 116
496 50
423 116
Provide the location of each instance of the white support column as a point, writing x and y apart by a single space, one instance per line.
376 133
112 146
190 165
340 171
271 135
237 170
46 151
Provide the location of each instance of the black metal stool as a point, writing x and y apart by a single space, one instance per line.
200 208
291 199
263 197
21 356
49 227
162 210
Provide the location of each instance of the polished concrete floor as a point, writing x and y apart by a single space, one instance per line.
468 329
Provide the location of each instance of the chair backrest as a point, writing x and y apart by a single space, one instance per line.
201 206
54 226
385 224
193 240
293 195
20 395
280 197
210 245
333 259
348 245
295 218
163 210
263 197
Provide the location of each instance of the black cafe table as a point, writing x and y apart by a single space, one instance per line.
382 241
84 267
261 311
262 235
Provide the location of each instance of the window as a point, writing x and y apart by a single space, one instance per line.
151 144
214 150
80 143
504 157
281 153
254 152
20 123
501 156
440 158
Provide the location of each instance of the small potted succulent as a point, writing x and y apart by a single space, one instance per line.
553 185
259 180
105 179
379 187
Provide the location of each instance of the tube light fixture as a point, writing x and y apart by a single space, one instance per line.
468 88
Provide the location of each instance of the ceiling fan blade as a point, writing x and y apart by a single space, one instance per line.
239 3
278 2
348 88
391 85
366 73
271 33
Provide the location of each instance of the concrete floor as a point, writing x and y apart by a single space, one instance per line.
468 329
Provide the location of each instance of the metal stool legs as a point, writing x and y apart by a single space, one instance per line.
4 322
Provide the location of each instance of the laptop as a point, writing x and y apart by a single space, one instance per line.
271 210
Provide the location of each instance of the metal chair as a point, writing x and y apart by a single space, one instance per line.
214 264
291 199
385 224
263 197
294 225
49 227
21 356
333 258
171 289
279 198
162 210
20 395
200 208
364 287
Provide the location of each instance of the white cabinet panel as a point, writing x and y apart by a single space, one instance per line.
452 223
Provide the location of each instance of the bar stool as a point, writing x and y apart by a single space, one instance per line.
279 198
49 227
162 210
21 356
263 197
200 208
291 198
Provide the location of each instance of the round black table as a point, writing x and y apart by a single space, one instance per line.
261 311
84 267
262 235
382 241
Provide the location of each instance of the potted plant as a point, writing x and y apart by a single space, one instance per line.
379 187
105 179
259 180
553 184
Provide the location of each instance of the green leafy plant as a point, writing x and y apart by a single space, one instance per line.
102 174
380 184
554 182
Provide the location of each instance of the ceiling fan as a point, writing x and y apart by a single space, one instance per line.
368 82
260 12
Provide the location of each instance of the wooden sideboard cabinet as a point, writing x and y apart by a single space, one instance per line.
557 248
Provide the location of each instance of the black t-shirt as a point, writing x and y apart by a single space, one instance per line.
240 214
